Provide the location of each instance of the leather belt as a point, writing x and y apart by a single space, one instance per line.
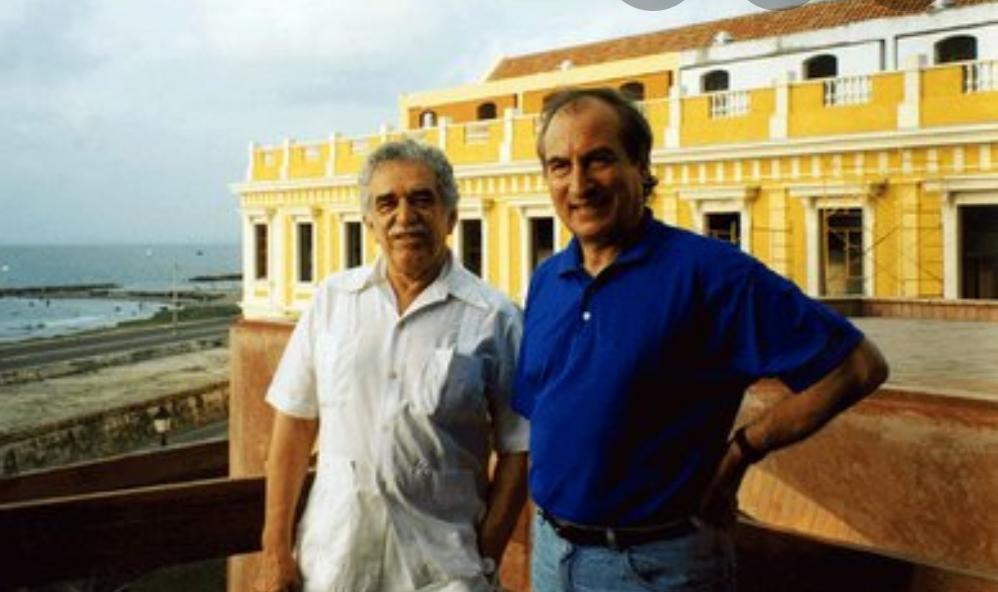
618 538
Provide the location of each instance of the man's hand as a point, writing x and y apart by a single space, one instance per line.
507 493
278 573
719 506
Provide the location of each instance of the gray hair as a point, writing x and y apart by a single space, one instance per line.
411 151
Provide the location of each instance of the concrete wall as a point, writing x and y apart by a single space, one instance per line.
109 432
903 472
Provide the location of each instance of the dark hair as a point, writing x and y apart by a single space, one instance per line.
412 151
635 133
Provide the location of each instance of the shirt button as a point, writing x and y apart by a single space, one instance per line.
586 315
392 375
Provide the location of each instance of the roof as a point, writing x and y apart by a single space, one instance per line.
809 17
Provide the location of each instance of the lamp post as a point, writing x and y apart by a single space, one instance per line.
173 283
161 423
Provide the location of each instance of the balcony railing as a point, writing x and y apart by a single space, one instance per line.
735 103
848 90
882 93
980 76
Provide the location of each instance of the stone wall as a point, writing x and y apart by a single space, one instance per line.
110 431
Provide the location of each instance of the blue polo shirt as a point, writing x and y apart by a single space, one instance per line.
631 380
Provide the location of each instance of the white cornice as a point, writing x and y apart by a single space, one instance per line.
720 192
890 140
964 183
834 189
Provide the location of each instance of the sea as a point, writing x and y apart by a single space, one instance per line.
145 268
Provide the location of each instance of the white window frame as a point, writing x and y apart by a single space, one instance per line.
529 208
817 197
473 208
728 199
298 217
351 219
964 190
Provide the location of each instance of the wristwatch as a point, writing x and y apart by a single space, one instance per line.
751 454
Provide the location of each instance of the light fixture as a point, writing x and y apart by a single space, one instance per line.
161 423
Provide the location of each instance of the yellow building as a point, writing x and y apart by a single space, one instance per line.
848 144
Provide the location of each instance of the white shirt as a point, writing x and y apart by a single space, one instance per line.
410 408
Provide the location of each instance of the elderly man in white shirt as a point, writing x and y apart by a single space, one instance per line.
402 371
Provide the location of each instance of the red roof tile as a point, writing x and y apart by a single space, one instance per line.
809 17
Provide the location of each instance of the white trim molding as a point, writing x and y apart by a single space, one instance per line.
528 208
474 208
819 196
963 190
722 198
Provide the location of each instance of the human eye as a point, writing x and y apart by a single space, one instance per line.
556 167
423 199
385 203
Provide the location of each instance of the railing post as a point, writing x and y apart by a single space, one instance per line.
286 164
331 163
672 130
910 109
383 132
252 161
779 122
506 148
442 124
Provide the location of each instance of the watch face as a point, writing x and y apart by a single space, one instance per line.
488 566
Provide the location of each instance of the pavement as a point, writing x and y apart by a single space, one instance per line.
957 358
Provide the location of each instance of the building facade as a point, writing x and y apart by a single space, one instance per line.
851 145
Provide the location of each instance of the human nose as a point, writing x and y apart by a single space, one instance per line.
578 181
404 213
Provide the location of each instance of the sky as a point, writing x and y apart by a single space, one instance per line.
125 121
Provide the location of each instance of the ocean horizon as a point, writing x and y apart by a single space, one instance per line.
136 267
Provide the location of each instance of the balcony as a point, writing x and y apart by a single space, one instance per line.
936 96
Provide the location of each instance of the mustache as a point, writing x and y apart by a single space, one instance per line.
415 230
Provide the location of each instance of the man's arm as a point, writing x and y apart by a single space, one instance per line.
507 493
286 467
793 419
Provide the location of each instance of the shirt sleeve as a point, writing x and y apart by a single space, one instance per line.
764 326
511 431
292 390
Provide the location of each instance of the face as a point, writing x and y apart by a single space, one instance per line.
596 190
408 218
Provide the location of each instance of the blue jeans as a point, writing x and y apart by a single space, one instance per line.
702 561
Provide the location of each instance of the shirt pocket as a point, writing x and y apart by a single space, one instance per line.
452 385
335 369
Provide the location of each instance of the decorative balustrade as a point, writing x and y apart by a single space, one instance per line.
735 103
980 76
477 132
847 90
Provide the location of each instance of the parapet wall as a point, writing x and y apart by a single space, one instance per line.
903 472
109 432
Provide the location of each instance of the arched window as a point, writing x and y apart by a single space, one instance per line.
821 66
487 111
959 48
634 91
714 81
427 119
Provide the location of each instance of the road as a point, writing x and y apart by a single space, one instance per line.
37 353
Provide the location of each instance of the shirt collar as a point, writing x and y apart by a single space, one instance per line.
571 262
453 280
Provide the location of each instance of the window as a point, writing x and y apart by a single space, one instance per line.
541 241
959 48
634 91
260 249
306 265
821 66
841 252
487 111
471 246
979 251
715 81
427 119
354 247
724 226
546 100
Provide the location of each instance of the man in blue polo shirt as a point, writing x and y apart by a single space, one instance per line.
640 340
